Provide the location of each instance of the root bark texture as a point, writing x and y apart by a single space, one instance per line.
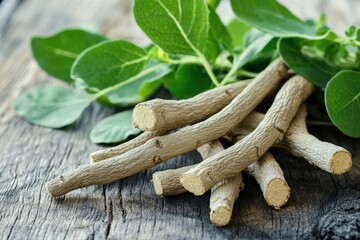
162 115
300 143
162 148
270 177
124 147
270 131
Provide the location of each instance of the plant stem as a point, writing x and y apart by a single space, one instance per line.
245 73
184 61
228 76
208 69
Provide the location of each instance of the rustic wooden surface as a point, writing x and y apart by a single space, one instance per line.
321 205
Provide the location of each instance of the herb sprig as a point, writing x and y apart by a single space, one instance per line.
192 51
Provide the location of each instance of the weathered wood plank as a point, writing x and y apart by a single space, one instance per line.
321 205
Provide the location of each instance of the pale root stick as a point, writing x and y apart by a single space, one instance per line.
223 194
161 114
266 172
327 156
270 178
298 142
167 182
161 148
124 147
270 131
222 199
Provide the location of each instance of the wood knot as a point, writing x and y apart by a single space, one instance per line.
280 130
229 92
62 178
157 160
198 144
158 144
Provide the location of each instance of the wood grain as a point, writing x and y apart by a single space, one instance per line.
321 205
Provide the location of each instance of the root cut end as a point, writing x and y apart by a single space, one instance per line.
193 184
341 162
221 216
93 159
157 185
277 193
144 117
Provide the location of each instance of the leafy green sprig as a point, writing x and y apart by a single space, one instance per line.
192 51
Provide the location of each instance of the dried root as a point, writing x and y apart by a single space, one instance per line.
162 148
269 132
298 142
222 112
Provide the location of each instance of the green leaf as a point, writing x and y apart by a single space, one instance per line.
141 86
247 55
219 31
271 17
178 27
188 81
213 48
264 57
214 3
353 33
342 98
114 129
342 56
238 31
314 70
109 63
51 106
252 50
56 54
251 36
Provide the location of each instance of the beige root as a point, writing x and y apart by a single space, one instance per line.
123 148
223 194
266 172
327 156
222 199
162 115
172 114
167 182
270 131
161 148
270 178
298 142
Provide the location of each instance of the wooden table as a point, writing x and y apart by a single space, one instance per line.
321 205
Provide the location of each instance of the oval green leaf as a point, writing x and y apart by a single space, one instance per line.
109 63
238 31
188 81
314 70
56 54
342 99
219 31
141 86
213 3
51 106
178 27
114 129
253 50
271 17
